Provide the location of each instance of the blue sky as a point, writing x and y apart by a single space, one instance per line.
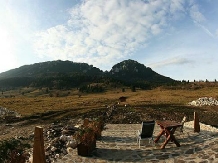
176 38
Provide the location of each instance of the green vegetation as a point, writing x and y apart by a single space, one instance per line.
52 105
30 100
13 150
66 75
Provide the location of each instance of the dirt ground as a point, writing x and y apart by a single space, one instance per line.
24 127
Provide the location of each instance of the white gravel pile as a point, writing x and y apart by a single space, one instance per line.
203 127
210 101
6 112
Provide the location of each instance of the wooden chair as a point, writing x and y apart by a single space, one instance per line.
146 132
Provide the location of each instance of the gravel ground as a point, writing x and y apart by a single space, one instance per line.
24 129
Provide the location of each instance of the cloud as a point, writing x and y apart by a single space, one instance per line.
199 18
171 61
177 9
104 32
206 30
217 32
196 15
101 32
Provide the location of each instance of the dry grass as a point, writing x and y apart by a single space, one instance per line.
37 101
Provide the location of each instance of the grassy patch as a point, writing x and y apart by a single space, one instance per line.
164 99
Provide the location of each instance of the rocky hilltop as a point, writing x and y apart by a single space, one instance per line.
72 74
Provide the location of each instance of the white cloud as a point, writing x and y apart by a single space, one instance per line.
102 28
217 32
101 32
177 8
206 30
171 61
198 18
177 5
195 14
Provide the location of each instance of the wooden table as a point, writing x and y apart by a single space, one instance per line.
167 129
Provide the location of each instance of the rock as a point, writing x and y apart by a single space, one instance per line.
204 101
72 144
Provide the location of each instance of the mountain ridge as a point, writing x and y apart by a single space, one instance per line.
128 71
57 66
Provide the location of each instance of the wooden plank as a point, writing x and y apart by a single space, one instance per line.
167 123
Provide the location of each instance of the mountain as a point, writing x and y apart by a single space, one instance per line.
51 68
133 71
59 74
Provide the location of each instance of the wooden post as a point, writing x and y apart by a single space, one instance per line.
38 147
196 123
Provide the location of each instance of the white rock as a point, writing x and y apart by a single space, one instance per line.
63 138
53 148
69 150
72 144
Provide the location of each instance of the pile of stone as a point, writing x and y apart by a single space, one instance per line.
6 112
109 113
210 101
59 138
8 115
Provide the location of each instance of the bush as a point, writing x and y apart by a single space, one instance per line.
13 151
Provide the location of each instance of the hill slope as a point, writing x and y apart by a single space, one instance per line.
51 68
72 74
133 71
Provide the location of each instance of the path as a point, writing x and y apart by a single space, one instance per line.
118 144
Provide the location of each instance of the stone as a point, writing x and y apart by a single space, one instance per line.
162 157
189 151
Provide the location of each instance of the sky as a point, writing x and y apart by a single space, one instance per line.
175 38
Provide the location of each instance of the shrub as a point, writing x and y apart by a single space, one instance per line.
13 151
85 136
